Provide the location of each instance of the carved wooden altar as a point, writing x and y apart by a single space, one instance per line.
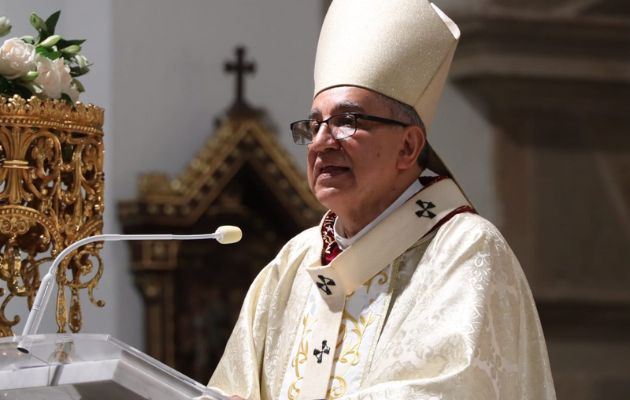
193 290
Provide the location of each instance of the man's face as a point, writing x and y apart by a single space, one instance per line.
357 172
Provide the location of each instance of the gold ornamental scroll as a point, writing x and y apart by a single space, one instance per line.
51 195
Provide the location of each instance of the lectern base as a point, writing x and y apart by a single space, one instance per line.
89 367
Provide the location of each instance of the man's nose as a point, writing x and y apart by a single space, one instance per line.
324 139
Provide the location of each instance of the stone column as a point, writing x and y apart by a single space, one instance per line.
553 78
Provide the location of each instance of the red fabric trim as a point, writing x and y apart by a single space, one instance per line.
331 249
450 215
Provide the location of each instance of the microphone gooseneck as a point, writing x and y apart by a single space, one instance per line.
226 234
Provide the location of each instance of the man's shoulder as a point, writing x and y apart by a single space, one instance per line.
301 246
310 237
469 227
471 220
471 240
299 249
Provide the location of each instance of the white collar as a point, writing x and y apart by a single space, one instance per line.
344 242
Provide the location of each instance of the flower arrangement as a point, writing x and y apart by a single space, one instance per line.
46 66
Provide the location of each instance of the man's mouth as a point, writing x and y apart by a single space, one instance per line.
333 170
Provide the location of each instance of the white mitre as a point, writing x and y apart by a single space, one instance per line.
400 48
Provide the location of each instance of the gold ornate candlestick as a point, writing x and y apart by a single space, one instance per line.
51 194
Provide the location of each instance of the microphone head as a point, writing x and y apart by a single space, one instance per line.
229 234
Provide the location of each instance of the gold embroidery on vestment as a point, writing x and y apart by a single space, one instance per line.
338 388
352 332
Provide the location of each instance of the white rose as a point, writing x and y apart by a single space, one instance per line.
16 58
54 77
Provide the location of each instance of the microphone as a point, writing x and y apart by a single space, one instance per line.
226 234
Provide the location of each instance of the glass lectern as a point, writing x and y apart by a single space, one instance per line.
89 367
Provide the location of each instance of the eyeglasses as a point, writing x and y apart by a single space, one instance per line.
342 126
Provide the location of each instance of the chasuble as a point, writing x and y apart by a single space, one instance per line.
449 316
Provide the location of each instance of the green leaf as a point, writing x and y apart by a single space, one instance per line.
67 99
5 85
5 26
51 22
78 85
48 53
39 24
78 71
34 88
22 90
65 43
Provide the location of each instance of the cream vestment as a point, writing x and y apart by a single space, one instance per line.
451 317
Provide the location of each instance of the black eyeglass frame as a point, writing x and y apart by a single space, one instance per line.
356 117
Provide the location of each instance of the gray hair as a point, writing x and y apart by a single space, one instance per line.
407 114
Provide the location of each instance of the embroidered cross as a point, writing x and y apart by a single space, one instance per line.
319 353
325 282
425 206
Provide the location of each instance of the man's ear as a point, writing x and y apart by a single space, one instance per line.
412 143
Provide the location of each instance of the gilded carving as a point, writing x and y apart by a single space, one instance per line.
51 195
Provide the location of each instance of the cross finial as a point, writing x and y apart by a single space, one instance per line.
240 68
